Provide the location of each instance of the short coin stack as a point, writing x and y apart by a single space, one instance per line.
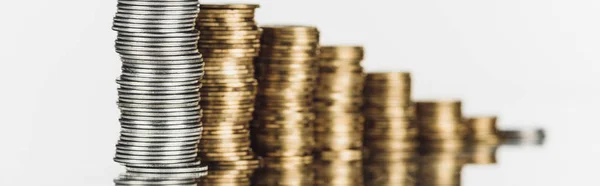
229 41
158 92
286 72
482 129
441 124
338 100
388 113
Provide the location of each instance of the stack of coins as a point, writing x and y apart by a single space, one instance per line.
338 99
440 124
440 167
482 129
227 177
158 91
388 112
392 168
532 136
229 41
289 171
286 72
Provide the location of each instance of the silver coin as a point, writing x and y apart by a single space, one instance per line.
155 49
162 114
159 77
163 58
179 136
159 132
159 89
161 118
177 101
162 71
159 97
190 42
134 161
169 176
154 21
153 26
157 106
151 30
125 37
159 127
159 123
160 81
159 3
146 12
157 84
153 62
192 34
157 153
167 170
155 149
157 144
156 16
171 157
165 66
154 92
158 8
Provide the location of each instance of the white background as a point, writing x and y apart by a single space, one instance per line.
532 62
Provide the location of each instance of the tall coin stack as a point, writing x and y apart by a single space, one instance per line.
286 72
441 124
229 41
339 123
388 112
158 92
482 129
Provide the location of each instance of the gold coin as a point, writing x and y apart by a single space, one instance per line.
225 10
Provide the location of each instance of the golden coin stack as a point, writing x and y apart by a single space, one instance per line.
229 41
339 124
286 72
289 171
481 153
388 113
392 168
482 129
440 124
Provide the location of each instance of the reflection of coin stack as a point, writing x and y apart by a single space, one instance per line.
388 113
227 177
440 167
440 124
286 72
482 129
158 92
229 40
391 168
289 171
338 99
339 168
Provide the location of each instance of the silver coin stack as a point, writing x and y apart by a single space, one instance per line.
159 92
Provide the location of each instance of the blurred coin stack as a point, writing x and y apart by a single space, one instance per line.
229 41
440 124
388 113
482 129
339 123
481 153
286 72
288 171
158 92
391 169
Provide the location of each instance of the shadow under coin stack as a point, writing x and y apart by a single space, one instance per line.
339 123
440 124
158 92
288 171
229 41
286 72
392 169
388 113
